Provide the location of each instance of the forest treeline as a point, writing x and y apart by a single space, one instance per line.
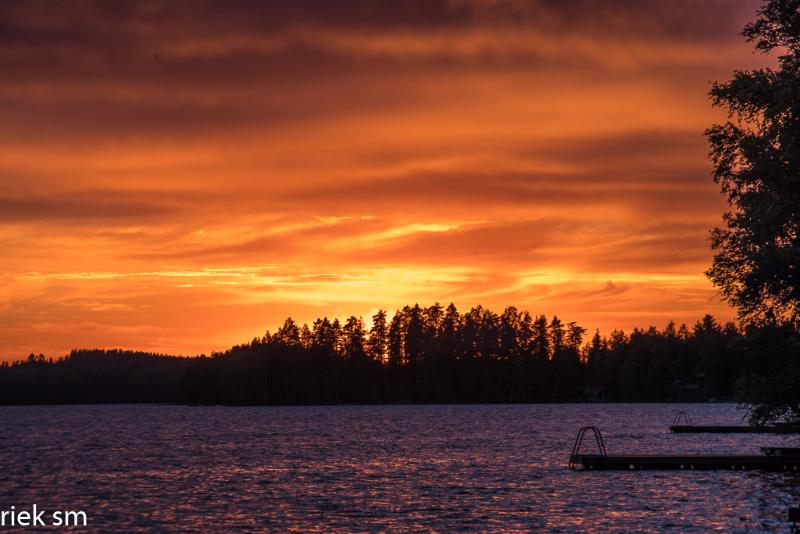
93 376
424 354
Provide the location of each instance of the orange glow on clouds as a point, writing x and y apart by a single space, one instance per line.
180 177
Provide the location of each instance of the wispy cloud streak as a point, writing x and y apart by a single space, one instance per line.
179 176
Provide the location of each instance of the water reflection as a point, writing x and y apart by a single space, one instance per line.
379 468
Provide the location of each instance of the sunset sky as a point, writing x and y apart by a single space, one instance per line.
181 176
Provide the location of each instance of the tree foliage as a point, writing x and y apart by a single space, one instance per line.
756 157
93 376
422 354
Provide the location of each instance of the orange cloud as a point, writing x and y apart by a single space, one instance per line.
180 176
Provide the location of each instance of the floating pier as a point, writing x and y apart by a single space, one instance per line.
600 462
687 427
772 459
781 451
734 429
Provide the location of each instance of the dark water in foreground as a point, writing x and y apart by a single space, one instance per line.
478 467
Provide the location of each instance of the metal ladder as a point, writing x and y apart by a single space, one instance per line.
598 436
682 414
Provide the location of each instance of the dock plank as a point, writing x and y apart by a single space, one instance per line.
689 462
734 429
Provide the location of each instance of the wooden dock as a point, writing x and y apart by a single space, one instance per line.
781 451
600 462
776 458
734 429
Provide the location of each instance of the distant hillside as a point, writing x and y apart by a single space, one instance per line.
93 376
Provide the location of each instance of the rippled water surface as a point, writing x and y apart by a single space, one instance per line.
474 467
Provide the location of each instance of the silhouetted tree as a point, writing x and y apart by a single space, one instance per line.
556 331
288 334
757 163
434 354
540 340
378 337
756 157
96 376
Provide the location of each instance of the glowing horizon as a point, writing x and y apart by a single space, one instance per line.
181 177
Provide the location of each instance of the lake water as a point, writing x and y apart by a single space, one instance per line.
345 468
